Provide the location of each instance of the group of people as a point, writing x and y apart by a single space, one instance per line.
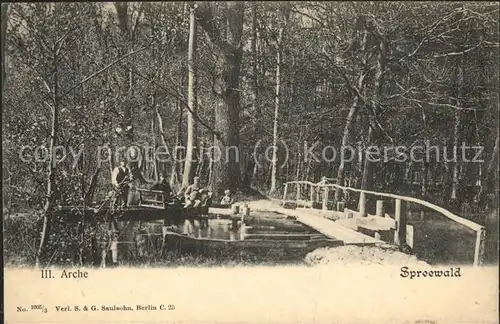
126 194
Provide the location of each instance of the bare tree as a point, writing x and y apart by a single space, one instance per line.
283 14
192 136
5 8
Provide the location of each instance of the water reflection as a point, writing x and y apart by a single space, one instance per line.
211 229
143 241
221 229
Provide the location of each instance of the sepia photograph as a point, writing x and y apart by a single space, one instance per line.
251 162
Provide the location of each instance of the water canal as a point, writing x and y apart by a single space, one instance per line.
263 238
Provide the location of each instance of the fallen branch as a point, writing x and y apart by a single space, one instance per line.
440 104
102 70
459 53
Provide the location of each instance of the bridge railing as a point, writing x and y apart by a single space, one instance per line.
309 194
151 198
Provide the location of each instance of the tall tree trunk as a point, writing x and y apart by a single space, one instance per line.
226 170
454 183
366 182
353 111
274 160
456 135
447 176
255 61
89 194
164 141
211 179
423 184
152 155
226 166
308 169
283 14
175 176
5 8
190 162
251 177
374 131
127 42
81 225
47 218
299 164
479 174
425 164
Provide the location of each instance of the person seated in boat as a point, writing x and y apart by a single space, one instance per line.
120 178
195 194
227 199
205 197
163 185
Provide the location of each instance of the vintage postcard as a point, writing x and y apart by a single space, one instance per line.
250 162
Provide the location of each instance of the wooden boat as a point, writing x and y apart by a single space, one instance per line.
131 213
151 205
252 246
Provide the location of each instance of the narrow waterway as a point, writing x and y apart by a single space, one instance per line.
265 237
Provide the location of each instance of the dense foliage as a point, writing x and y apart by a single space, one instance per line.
94 75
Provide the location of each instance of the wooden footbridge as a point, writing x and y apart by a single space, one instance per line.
361 217
355 225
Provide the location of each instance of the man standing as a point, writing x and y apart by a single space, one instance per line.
120 178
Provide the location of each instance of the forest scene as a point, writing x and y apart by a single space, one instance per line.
244 97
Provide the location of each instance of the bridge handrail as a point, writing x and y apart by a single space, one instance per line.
441 210
444 212
303 182
479 229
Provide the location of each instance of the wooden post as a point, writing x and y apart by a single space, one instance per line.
94 247
311 197
284 193
340 206
380 208
114 248
479 249
197 227
400 215
243 231
298 194
164 231
325 198
362 204
410 236
234 223
235 209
